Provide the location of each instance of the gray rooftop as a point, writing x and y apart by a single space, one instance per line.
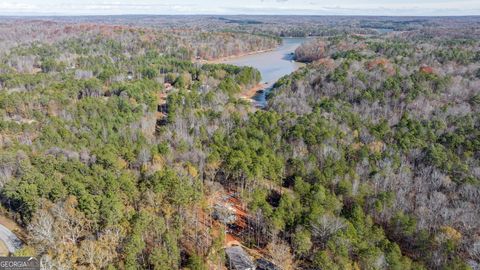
238 259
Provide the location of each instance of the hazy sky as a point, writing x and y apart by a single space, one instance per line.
315 7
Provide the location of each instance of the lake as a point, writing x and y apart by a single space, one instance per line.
272 65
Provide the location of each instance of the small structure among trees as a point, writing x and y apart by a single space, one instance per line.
263 264
224 213
238 259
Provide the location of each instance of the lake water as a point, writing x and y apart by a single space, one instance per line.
384 30
272 65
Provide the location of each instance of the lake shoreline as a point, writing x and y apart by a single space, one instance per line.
252 91
272 64
233 57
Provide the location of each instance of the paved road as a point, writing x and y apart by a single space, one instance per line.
10 239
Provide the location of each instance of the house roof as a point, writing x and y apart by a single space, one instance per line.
238 259
263 264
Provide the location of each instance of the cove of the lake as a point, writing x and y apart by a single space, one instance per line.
272 65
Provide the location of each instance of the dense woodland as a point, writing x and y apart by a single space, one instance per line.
115 137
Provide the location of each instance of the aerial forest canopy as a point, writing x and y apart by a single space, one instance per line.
120 137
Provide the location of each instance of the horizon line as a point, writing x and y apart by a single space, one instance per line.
225 14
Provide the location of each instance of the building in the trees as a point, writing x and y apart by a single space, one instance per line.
225 213
168 87
238 259
263 264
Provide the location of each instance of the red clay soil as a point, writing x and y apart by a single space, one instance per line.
232 233
426 70
242 216
231 240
